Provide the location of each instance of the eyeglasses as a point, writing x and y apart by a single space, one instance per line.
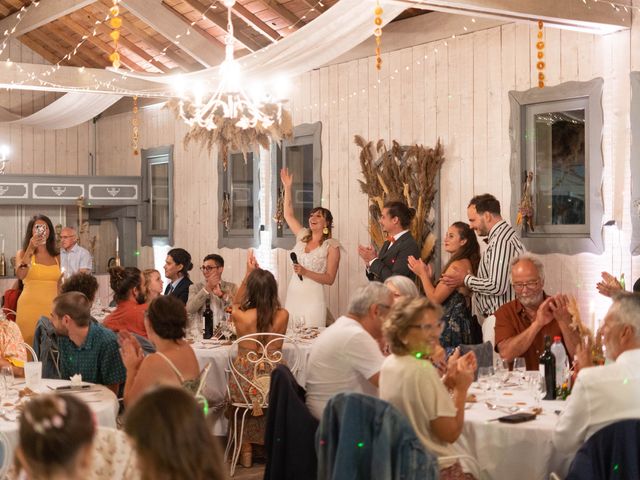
207 268
428 327
523 285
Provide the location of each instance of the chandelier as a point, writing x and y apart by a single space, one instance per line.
229 103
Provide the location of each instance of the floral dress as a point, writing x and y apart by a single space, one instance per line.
457 322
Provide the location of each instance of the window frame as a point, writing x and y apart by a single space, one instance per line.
560 239
634 246
303 134
239 238
153 156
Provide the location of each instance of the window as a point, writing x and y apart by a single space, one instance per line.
239 203
302 155
157 191
556 135
635 164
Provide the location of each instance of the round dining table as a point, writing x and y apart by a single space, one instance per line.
503 450
217 354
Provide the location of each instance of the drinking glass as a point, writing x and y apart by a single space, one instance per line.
299 324
33 374
538 386
6 380
502 370
520 367
484 378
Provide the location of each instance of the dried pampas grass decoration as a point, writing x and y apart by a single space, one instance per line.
403 173
229 137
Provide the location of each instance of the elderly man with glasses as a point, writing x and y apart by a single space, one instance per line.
213 288
73 258
522 324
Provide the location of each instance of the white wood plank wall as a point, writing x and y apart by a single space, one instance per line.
456 92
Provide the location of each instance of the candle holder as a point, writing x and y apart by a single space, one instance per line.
3 265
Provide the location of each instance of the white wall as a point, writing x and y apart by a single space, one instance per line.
459 95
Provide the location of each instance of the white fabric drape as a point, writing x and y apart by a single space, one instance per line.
344 26
68 111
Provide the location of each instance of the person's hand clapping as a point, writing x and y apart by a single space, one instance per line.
252 263
286 178
609 285
545 312
417 266
130 351
466 369
366 252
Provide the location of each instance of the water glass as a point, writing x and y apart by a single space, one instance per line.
484 378
537 386
6 380
502 370
33 374
520 367
299 324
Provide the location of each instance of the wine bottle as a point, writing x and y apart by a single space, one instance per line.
207 315
548 369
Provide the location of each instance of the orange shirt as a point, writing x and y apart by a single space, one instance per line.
512 319
129 316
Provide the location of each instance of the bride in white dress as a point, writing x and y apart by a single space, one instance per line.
318 260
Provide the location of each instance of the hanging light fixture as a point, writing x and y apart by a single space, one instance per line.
229 102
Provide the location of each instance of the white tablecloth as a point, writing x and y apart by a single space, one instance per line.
102 401
215 389
520 451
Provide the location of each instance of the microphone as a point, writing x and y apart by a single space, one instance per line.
294 259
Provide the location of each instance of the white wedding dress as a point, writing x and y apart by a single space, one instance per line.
306 297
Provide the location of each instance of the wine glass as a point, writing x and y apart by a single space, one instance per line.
520 367
538 386
484 378
299 324
502 370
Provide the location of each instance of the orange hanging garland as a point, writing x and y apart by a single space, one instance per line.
540 46
135 124
377 32
115 22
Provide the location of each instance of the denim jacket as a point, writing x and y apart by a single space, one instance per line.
363 437
45 344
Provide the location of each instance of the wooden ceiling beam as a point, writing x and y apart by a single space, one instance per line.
285 13
220 20
85 52
71 23
319 6
129 45
204 48
257 24
599 18
44 13
102 7
40 50
58 46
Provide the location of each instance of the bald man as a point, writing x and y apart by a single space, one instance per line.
73 257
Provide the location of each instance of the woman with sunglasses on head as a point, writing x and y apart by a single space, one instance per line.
318 257
38 266
213 288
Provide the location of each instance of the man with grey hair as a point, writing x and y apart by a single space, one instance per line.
346 357
606 394
73 258
522 324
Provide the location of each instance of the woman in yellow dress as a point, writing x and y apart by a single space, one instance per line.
39 269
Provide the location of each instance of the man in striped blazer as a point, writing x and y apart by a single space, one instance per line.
491 286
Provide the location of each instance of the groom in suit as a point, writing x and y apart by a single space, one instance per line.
393 256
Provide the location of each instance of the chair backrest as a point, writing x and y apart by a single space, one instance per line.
380 442
613 452
203 378
30 349
250 366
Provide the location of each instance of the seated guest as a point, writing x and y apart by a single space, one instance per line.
128 292
152 284
172 438
409 381
173 363
605 394
55 438
219 292
45 342
256 310
401 287
11 345
85 347
176 269
522 324
346 357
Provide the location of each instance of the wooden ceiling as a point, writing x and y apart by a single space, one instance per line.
158 36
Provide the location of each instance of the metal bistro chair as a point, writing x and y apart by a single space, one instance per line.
253 382
31 351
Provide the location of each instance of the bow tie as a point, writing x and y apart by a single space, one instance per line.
485 239
390 239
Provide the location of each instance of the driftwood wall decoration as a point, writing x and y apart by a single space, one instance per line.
406 173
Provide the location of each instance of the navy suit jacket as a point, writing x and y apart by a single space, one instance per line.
393 259
181 291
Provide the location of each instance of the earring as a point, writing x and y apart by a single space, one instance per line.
325 231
